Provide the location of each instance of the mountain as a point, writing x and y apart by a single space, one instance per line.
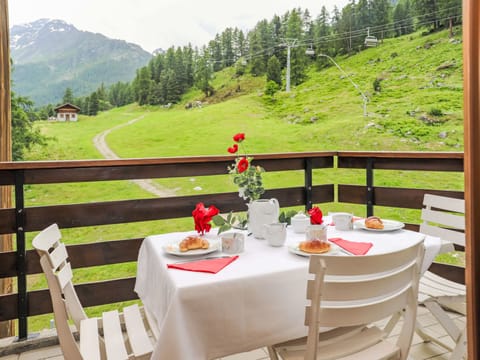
51 55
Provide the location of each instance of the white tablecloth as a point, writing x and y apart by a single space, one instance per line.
257 300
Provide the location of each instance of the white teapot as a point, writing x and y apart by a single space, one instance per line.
261 212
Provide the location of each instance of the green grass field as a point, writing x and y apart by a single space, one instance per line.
419 108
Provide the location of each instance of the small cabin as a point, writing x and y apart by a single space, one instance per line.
67 112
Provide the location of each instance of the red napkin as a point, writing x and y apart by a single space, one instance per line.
209 265
356 248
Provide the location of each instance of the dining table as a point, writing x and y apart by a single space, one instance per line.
257 300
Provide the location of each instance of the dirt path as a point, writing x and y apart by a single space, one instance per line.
102 147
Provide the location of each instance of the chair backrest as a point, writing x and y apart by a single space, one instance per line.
358 290
444 217
58 271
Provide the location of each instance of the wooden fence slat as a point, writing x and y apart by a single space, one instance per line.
90 294
391 197
125 211
411 163
83 255
48 173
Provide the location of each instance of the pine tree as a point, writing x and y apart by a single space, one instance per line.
257 65
381 11
427 13
274 71
93 104
143 85
229 57
203 74
402 18
68 96
298 58
321 32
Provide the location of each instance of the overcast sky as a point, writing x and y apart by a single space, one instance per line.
156 24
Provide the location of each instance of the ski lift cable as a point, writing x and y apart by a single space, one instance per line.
358 33
346 35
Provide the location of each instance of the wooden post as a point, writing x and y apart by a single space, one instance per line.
471 76
7 327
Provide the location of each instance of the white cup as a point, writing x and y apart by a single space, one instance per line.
233 242
275 233
343 221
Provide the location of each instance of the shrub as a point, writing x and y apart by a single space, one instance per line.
271 88
435 112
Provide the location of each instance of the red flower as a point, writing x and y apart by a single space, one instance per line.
202 217
316 216
242 165
233 149
239 137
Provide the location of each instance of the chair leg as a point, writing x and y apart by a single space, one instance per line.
460 350
272 353
391 323
443 318
427 338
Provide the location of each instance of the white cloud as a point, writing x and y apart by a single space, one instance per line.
160 23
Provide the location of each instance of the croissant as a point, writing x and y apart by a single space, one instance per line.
314 246
192 243
373 222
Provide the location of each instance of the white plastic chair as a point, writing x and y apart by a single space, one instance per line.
111 345
349 293
444 217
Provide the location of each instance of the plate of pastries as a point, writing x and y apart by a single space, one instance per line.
192 245
374 223
312 247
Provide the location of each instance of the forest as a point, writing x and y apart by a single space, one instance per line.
296 37
263 50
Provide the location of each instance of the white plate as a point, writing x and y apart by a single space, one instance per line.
173 249
293 248
388 225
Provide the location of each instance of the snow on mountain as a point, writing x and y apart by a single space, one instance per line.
50 55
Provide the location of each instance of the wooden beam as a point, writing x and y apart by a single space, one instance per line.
6 328
471 75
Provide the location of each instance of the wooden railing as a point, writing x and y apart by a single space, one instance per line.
23 219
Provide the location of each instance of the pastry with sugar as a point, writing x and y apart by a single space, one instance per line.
314 246
374 222
193 243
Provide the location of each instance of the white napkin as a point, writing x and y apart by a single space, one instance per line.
433 245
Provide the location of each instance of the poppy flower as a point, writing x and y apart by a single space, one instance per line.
202 217
316 216
233 149
239 137
242 165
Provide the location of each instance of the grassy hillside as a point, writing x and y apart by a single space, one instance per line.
419 108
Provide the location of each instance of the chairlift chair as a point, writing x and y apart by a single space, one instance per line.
371 41
310 51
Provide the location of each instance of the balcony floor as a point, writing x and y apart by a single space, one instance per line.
419 350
